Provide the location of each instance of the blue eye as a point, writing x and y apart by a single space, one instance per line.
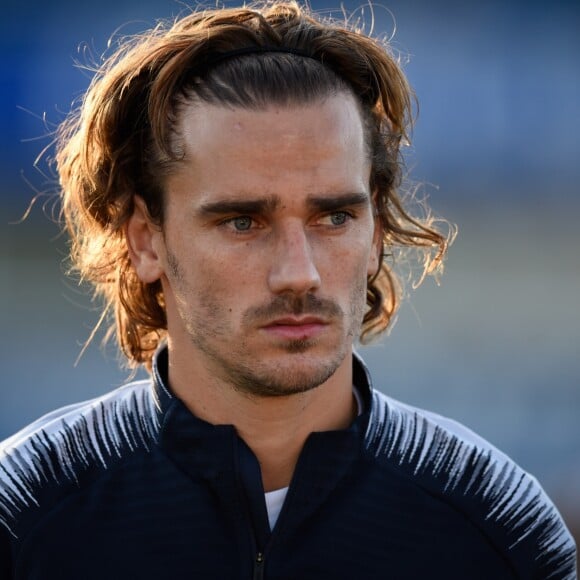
242 223
338 218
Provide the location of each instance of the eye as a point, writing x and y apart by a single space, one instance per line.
337 218
241 223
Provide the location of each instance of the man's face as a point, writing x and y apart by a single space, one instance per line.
267 242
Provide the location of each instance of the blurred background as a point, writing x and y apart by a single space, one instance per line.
496 345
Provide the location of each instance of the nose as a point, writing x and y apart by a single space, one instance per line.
293 268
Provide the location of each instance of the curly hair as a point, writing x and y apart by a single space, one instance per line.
121 141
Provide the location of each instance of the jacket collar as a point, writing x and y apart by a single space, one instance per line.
166 400
218 457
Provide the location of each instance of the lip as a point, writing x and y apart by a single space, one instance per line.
296 327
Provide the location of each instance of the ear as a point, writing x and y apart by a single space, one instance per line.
377 246
144 242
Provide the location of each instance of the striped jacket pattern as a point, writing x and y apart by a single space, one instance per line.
133 485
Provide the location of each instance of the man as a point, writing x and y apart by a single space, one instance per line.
230 188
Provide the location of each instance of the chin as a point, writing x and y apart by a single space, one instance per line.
301 370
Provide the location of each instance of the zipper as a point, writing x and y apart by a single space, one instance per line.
259 566
259 561
247 480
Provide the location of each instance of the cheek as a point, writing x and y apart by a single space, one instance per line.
348 268
233 284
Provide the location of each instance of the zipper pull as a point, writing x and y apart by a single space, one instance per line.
259 566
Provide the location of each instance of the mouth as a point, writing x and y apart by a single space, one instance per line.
296 327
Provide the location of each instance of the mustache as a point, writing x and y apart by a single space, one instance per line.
285 305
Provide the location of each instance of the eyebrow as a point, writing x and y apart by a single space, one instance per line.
242 206
271 203
338 201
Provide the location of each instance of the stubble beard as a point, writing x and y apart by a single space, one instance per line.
296 370
245 371
300 368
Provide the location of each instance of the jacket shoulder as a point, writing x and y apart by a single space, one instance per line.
461 468
62 446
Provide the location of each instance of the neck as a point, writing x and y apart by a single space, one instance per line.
275 428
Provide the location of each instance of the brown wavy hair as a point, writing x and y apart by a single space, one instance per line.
123 140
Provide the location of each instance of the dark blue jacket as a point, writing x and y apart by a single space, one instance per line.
132 485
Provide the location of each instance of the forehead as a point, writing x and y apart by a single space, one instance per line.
305 147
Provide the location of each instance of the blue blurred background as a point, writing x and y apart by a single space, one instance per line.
496 346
